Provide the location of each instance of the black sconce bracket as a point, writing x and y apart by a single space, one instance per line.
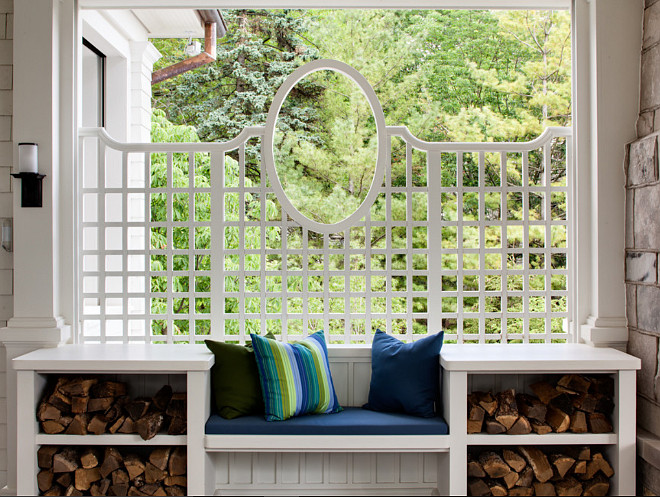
31 188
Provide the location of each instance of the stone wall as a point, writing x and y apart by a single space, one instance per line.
643 253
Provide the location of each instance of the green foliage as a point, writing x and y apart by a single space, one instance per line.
448 75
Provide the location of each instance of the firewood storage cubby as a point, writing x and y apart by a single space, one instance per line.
539 470
152 387
120 470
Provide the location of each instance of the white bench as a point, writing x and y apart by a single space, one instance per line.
282 464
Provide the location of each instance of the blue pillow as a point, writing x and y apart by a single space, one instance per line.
405 377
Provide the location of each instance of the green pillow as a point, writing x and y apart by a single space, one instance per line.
235 379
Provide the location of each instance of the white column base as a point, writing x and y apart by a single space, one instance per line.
18 339
605 332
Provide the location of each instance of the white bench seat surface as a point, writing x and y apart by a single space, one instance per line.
534 357
135 357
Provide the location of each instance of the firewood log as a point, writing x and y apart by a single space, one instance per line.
55 490
580 468
101 487
128 426
494 428
177 406
64 480
72 490
568 486
521 491
564 403
152 474
97 425
79 404
52 427
89 459
493 464
604 404
85 477
562 463
557 419
113 413
526 478
65 461
578 453
538 461
134 465
578 422
120 477
599 485
159 457
544 391
45 479
507 410
585 402
544 488
137 409
149 425
520 427
177 491
598 423
77 387
531 407
178 426
540 428
160 492
112 460
475 420
474 470
573 384
597 463
177 464
510 480
101 404
487 402
61 401
496 488
78 426
48 412
476 486
182 481
45 455
134 491
513 459
151 489
118 490
162 398
139 481
603 384
117 424
108 389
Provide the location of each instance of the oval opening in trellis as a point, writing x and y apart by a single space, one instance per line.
324 171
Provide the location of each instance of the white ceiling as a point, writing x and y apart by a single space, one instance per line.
170 23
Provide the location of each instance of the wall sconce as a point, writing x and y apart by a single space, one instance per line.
28 172
7 235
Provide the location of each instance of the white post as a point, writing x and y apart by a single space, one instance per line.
606 72
37 320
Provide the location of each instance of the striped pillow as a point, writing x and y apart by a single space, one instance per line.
295 377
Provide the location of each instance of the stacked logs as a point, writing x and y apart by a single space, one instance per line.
576 403
529 471
89 471
79 406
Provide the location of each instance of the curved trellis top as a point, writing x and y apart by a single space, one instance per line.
178 243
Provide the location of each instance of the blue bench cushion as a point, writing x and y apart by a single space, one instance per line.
351 421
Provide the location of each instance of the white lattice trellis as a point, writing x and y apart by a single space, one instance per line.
243 264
